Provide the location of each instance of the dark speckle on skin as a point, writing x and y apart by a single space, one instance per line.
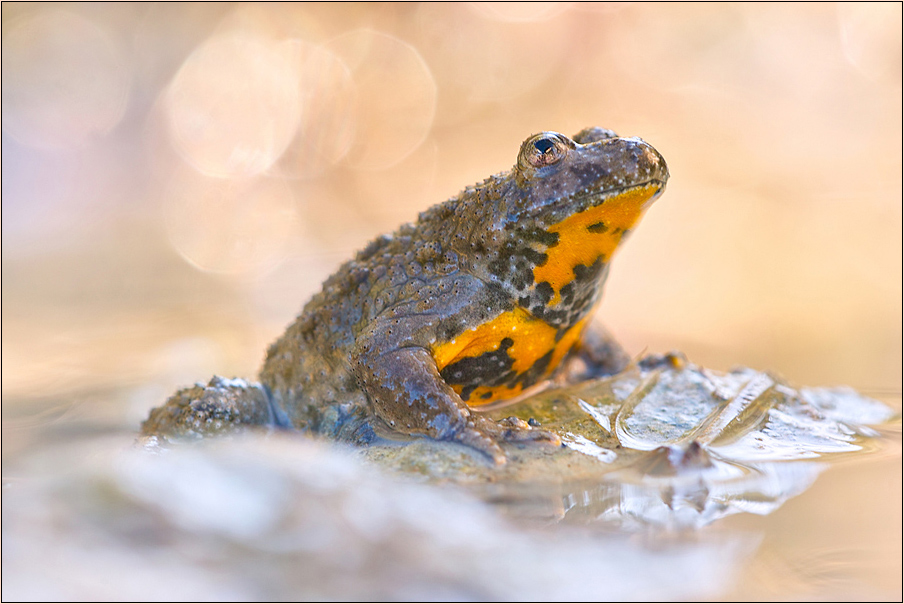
544 291
487 369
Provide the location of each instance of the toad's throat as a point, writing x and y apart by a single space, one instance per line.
591 236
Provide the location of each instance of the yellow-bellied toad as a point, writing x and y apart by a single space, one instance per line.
485 295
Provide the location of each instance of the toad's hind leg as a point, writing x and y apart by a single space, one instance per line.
222 406
405 390
597 354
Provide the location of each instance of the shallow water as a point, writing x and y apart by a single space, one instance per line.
271 516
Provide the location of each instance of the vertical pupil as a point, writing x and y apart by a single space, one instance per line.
543 145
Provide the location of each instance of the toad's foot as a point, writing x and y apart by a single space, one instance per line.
512 430
485 435
598 354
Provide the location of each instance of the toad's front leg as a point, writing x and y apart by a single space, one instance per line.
405 390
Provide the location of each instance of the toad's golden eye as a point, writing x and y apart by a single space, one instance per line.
544 150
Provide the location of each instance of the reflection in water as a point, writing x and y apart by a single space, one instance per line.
280 516
634 500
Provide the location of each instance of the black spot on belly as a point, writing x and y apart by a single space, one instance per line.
488 369
491 369
539 235
533 375
583 273
567 293
467 390
521 280
599 227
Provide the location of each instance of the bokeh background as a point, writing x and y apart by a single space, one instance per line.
178 179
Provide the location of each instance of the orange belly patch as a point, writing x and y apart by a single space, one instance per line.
502 357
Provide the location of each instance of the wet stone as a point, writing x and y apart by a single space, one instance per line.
665 442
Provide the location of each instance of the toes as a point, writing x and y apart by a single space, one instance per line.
517 430
514 423
478 439
485 435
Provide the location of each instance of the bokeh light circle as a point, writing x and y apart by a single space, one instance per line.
485 56
329 107
520 12
234 106
65 80
871 38
396 95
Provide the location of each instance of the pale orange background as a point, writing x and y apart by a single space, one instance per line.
179 179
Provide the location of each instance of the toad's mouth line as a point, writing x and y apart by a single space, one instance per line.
607 194
593 197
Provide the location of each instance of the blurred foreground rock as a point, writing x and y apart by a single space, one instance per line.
285 518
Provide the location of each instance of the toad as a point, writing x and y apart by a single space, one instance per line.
482 298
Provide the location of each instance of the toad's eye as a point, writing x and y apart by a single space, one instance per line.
544 150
